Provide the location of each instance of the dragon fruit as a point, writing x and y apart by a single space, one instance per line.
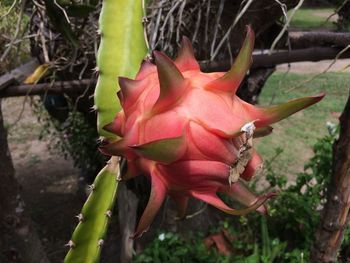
190 134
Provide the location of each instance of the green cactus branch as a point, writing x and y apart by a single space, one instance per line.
121 50
88 237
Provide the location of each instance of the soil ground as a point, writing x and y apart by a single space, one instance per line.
52 187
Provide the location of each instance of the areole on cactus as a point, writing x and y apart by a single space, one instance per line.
190 134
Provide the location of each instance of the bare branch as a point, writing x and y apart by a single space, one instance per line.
285 27
281 57
58 87
303 39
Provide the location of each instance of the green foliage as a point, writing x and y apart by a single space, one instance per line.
284 237
17 52
295 213
78 135
172 248
247 247
265 250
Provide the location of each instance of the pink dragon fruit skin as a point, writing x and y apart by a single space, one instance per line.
190 134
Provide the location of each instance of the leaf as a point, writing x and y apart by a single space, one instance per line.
38 73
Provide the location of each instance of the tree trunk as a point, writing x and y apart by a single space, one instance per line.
18 239
335 215
127 211
251 88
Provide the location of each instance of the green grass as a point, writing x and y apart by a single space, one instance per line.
311 18
297 134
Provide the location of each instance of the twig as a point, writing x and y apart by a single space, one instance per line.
281 57
324 71
10 9
182 7
335 12
224 38
216 26
285 27
58 87
198 23
200 211
18 28
43 43
64 11
144 22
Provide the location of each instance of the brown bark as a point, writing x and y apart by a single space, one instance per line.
76 87
127 211
304 39
18 239
72 87
18 74
251 88
335 215
264 60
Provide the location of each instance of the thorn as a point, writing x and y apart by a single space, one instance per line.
92 187
96 69
108 213
70 244
119 178
80 217
93 108
145 20
101 140
100 242
98 31
149 58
